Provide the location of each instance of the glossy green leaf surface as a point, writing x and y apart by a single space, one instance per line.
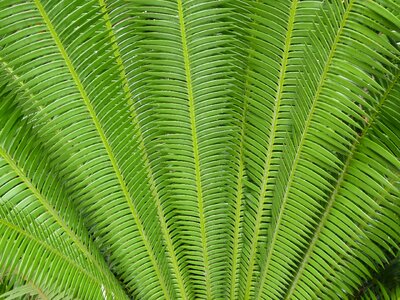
199 149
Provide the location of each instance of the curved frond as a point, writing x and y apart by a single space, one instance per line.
183 49
156 193
347 203
268 94
108 178
199 149
321 130
36 213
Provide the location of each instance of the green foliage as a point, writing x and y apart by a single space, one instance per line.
199 149
385 284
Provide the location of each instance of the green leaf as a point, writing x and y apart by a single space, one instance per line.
198 149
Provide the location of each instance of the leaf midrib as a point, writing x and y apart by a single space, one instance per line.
142 147
337 188
302 141
239 194
51 249
196 157
8 69
46 204
270 152
106 144
239 198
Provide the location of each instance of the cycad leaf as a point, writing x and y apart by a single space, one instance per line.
185 60
269 83
35 212
361 227
108 178
198 149
309 146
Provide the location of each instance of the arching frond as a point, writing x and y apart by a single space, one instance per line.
37 217
85 125
183 52
267 90
322 132
199 149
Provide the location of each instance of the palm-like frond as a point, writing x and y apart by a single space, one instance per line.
316 120
40 228
187 149
185 86
267 117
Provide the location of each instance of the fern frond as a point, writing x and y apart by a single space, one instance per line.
358 237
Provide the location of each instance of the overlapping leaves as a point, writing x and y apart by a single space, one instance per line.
187 149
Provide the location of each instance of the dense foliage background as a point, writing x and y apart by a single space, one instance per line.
199 149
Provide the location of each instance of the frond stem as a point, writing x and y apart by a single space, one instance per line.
302 141
239 195
195 147
336 190
164 227
106 144
271 142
